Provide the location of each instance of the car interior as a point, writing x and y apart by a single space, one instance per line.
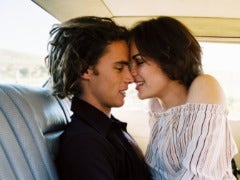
31 122
32 119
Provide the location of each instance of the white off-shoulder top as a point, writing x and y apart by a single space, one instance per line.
191 141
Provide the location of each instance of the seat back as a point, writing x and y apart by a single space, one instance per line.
235 127
31 121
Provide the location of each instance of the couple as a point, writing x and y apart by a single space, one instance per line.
89 62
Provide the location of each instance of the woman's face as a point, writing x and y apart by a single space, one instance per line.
150 80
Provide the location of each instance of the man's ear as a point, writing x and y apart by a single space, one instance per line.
88 74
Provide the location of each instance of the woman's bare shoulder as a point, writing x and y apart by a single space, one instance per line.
206 89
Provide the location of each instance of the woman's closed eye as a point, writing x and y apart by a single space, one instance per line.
138 58
139 61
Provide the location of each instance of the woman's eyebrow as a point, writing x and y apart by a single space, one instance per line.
136 55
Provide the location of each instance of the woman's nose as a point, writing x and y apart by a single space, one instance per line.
133 69
129 77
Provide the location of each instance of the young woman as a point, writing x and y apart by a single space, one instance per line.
190 135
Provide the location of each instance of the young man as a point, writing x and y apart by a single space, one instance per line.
89 61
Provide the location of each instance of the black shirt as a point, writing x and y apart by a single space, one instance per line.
96 147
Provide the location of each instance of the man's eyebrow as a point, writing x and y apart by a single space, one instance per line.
123 62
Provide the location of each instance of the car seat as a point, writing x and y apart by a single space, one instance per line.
31 121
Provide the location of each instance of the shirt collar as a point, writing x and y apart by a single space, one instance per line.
94 117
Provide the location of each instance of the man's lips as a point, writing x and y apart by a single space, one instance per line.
123 91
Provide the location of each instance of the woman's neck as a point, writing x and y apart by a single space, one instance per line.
176 95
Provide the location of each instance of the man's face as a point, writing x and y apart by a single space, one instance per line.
106 88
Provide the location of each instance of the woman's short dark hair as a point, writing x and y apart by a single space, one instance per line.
74 46
171 44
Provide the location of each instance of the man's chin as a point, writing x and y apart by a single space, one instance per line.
119 104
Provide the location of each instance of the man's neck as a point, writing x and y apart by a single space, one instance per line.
96 104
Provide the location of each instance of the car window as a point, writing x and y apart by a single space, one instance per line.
23 46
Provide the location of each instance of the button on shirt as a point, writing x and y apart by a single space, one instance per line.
95 146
